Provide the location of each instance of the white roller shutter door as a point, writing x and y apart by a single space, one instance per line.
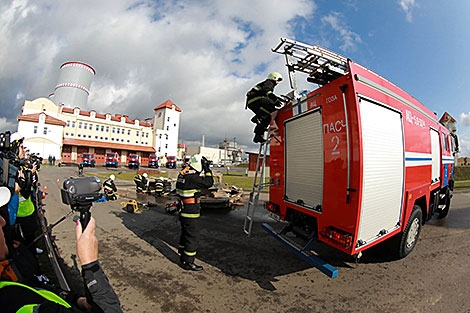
383 167
436 156
304 160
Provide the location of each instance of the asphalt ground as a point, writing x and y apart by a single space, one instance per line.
258 274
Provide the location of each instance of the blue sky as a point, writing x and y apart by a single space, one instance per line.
204 55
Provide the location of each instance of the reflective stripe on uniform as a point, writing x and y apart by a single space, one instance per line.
25 208
190 253
264 110
255 99
187 193
208 174
190 215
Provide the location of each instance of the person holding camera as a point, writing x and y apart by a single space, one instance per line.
190 180
20 297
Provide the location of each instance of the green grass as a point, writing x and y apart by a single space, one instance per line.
239 181
462 185
462 173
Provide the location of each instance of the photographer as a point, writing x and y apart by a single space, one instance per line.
16 297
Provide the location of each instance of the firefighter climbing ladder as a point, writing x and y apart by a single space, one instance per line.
258 185
322 65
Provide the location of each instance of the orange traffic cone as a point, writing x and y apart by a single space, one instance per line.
45 188
58 181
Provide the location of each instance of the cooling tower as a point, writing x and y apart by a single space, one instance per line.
73 86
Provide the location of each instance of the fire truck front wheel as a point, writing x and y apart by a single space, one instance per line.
409 237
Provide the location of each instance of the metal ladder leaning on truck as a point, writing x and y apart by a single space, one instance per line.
356 162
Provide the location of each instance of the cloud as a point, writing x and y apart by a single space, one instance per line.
407 6
7 125
202 55
349 38
464 119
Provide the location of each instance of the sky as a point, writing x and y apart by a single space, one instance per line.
205 55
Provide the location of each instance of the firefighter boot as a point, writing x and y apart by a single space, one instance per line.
191 266
259 138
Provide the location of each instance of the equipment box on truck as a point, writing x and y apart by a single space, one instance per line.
357 161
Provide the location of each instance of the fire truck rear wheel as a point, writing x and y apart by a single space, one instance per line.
409 238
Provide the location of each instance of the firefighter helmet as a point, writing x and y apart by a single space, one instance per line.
275 76
195 162
112 177
145 175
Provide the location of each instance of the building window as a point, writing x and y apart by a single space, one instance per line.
71 134
45 131
91 127
66 134
96 137
168 119
112 139
128 131
102 128
35 129
101 138
89 136
97 127
79 124
174 124
79 135
114 130
107 128
68 123
166 146
146 135
106 138
136 141
85 126
118 130
158 149
128 140
168 128
160 136
166 137
73 124
137 133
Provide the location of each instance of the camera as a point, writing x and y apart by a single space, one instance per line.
80 193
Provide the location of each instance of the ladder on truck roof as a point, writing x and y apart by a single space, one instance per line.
322 65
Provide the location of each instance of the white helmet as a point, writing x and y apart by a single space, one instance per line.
195 162
275 76
16 136
5 195
145 175
112 177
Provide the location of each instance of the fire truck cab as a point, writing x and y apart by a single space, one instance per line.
357 161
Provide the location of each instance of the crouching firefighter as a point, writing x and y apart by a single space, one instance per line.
262 101
140 183
188 185
110 189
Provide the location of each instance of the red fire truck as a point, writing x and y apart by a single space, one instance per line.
357 161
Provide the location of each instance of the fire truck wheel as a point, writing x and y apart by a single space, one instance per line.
445 210
409 237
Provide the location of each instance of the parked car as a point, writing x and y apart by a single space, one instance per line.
133 161
153 161
88 159
112 159
171 162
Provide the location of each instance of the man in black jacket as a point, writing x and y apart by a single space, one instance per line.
262 101
188 185
110 188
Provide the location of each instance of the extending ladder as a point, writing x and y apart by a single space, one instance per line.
258 185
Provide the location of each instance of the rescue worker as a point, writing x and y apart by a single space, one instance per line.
80 169
140 183
188 187
110 188
262 101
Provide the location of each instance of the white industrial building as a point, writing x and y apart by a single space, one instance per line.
57 126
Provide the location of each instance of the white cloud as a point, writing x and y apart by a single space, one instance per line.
202 55
407 6
6 125
349 38
464 146
464 119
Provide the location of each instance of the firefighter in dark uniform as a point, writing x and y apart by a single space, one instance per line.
188 187
262 101
140 183
110 188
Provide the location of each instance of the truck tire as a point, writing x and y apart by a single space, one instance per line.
407 240
445 211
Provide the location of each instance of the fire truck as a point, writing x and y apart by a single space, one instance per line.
112 159
355 162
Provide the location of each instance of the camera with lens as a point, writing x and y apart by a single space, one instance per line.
80 193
